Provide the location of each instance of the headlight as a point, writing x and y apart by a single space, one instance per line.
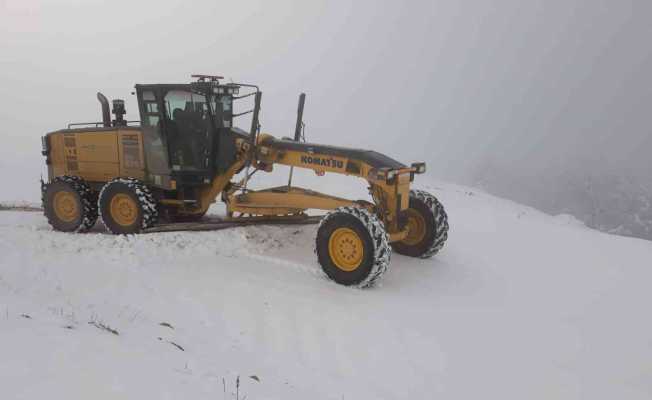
420 167
229 90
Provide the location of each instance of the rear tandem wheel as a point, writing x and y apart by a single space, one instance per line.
127 206
69 204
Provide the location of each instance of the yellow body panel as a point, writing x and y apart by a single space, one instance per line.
92 155
97 156
57 165
95 147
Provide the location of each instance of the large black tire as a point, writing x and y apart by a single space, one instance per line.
365 240
428 215
127 206
69 204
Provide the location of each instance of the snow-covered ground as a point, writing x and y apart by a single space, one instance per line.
518 305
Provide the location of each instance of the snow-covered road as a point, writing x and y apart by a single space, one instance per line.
517 305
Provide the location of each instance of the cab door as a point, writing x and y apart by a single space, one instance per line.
189 130
154 140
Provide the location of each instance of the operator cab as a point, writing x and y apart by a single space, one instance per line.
187 130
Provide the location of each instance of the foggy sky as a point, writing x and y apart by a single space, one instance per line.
530 85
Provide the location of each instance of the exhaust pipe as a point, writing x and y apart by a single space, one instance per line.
106 113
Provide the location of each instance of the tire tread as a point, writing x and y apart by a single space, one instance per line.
382 251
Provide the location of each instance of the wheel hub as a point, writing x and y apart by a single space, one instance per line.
124 209
416 225
65 206
346 249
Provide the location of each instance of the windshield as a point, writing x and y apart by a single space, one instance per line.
188 129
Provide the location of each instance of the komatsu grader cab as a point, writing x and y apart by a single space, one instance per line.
164 171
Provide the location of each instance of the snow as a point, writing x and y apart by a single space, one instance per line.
517 305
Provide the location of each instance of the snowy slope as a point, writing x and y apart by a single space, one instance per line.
518 305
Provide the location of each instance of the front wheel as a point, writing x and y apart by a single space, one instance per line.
353 247
427 224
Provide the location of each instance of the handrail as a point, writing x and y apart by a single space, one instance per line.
242 113
97 124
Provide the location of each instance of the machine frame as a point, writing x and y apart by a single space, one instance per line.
185 154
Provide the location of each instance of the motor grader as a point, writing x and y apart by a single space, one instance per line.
164 171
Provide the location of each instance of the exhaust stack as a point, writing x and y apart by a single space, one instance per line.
106 114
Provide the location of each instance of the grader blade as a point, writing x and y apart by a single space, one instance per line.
218 223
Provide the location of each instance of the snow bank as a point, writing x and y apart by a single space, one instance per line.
517 305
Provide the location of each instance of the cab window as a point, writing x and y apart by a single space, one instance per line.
188 129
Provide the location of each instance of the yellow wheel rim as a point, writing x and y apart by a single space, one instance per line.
65 206
416 226
346 249
124 209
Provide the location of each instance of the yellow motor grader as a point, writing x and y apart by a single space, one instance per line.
164 171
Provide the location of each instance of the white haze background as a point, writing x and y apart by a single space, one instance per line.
546 102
